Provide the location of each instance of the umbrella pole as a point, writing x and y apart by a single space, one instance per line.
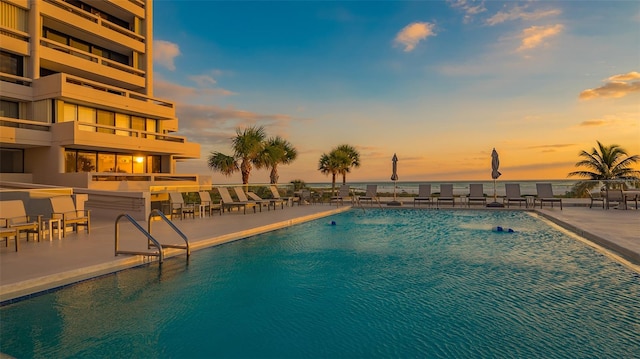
495 196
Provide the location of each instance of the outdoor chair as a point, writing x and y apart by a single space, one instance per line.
209 206
371 194
6 233
343 193
615 196
63 208
631 196
424 195
596 196
242 197
446 195
276 195
476 194
512 194
178 206
545 194
14 216
304 197
262 201
229 203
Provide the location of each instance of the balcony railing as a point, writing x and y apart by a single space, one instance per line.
15 79
129 132
145 177
17 34
26 124
96 19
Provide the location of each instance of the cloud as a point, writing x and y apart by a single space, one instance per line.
180 93
413 33
164 52
520 13
534 36
470 8
558 145
616 86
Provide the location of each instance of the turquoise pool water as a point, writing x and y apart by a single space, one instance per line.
398 283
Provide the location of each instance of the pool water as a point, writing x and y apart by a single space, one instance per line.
394 283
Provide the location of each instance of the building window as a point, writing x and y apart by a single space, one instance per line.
88 161
9 109
84 46
107 162
154 164
106 118
125 164
11 160
11 64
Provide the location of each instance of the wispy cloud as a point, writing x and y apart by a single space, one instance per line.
625 119
552 147
470 8
412 34
535 36
520 13
180 93
164 53
615 86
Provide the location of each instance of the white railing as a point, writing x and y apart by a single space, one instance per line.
129 132
26 124
25 81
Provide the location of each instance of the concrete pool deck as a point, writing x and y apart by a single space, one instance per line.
49 264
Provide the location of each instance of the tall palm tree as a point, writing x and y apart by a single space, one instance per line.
276 150
333 163
354 160
227 165
606 163
247 146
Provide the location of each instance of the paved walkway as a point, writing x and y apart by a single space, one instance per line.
40 266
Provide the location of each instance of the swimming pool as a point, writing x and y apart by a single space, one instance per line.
398 283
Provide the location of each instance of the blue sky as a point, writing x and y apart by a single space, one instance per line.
440 83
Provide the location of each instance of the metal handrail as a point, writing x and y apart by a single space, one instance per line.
157 244
157 212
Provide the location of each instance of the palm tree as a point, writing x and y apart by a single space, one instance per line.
227 165
333 163
605 163
247 146
276 150
354 160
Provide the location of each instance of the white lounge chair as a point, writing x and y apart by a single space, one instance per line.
371 194
229 203
476 194
178 206
276 195
64 208
446 195
343 193
242 197
512 194
545 194
424 195
261 201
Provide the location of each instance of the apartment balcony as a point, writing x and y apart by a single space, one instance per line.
14 40
63 58
82 91
73 21
16 87
108 138
24 133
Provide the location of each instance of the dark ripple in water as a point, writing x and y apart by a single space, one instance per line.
379 284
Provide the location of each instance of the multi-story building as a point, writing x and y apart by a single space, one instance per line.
76 97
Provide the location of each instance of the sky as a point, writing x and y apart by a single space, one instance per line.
439 83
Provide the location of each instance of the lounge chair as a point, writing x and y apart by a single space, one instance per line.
424 195
446 195
545 194
209 206
371 194
476 194
242 197
343 193
14 216
276 195
272 201
261 201
512 194
178 206
615 196
596 197
229 203
631 195
63 208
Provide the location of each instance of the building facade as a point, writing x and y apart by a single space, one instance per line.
76 97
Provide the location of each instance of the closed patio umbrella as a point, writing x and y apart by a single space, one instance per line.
394 178
495 163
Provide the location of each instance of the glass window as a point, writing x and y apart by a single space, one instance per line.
106 162
55 36
106 118
138 123
138 164
86 161
70 113
79 44
11 160
151 127
11 64
87 115
9 109
153 164
123 121
125 164
70 161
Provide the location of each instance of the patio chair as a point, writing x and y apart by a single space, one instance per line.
596 197
209 206
545 194
424 195
178 206
273 201
276 195
343 193
476 194
242 197
6 233
615 196
63 208
631 196
371 194
304 197
512 194
14 216
446 195
262 201
229 203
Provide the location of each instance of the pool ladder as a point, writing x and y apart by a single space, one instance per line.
151 241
